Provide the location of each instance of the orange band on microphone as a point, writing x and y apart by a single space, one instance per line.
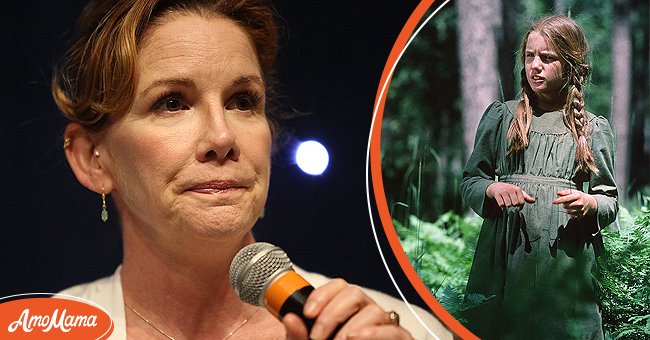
280 290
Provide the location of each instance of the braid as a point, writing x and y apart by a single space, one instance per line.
576 119
518 130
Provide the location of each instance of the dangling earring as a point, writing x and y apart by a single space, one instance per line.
104 211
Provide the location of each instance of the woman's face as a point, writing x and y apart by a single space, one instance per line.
543 70
192 155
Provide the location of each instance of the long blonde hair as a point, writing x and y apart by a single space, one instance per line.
570 43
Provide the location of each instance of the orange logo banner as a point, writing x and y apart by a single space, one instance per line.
31 317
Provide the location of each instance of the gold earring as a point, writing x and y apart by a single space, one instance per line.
66 143
104 211
96 153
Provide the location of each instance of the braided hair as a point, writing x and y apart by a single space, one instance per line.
568 40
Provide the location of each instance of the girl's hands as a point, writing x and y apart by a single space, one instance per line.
508 195
336 303
576 203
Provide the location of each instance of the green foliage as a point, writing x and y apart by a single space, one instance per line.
456 302
625 282
441 252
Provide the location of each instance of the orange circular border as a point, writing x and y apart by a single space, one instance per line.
378 184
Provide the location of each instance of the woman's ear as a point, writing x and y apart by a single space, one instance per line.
84 159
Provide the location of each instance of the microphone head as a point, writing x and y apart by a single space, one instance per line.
254 268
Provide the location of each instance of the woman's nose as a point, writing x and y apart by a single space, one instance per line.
217 141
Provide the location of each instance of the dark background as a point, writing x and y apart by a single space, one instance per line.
330 64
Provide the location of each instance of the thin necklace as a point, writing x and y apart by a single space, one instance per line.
241 324
147 321
170 338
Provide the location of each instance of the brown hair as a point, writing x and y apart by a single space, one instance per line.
97 76
568 40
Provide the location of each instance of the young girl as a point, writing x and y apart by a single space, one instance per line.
541 175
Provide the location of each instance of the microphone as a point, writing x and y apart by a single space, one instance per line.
262 275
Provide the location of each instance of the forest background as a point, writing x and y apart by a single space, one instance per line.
466 57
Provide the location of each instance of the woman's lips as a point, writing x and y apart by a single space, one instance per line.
217 187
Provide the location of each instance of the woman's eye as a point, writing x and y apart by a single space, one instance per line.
245 102
170 103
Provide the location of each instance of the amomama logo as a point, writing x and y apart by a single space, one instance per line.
31 317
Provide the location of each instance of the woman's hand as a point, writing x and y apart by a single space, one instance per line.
508 195
576 203
336 303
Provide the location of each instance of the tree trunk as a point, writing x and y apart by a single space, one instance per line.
479 27
508 52
559 7
621 83
640 129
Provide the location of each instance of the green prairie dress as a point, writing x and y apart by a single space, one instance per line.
536 266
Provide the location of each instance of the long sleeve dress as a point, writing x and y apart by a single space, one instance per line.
536 266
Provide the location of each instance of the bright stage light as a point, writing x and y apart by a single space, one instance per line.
312 157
